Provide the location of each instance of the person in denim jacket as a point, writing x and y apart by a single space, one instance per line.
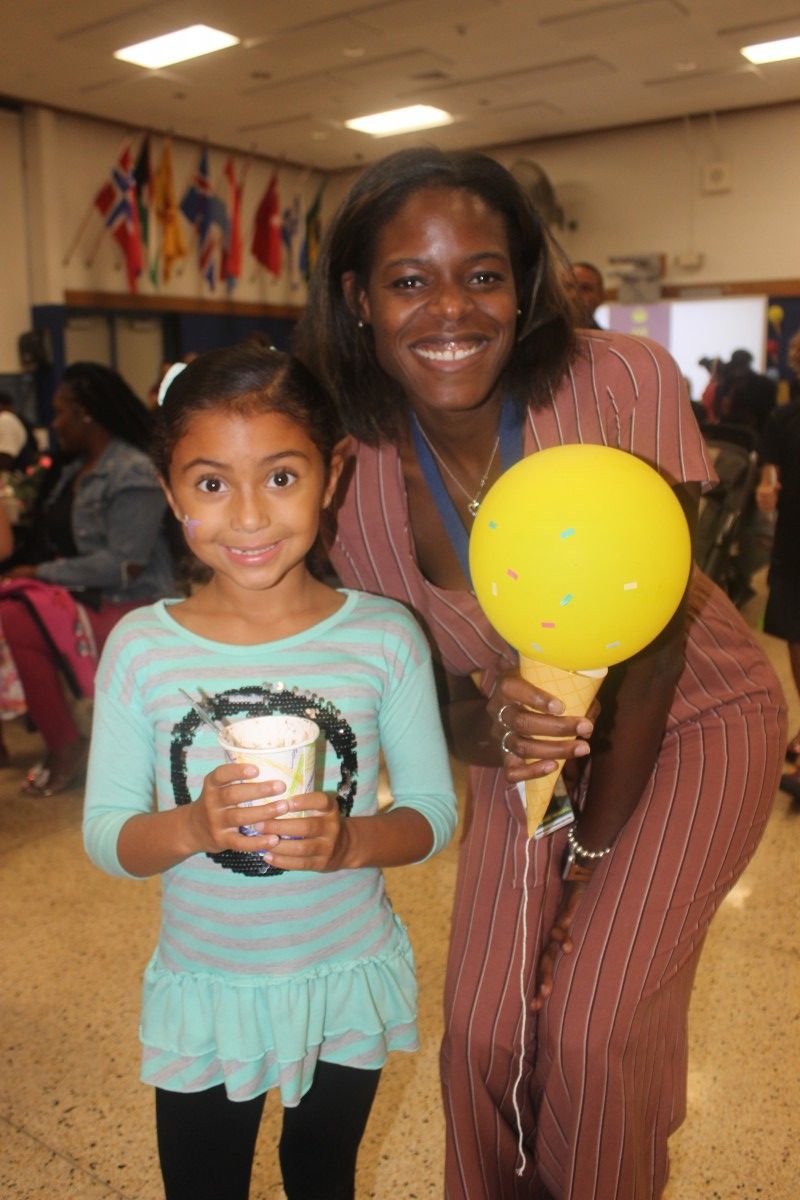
104 530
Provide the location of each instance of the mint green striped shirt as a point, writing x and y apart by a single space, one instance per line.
256 977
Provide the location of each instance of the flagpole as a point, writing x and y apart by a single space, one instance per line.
89 262
79 235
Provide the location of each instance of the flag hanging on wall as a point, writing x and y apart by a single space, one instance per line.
290 227
309 251
266 244
116 202
144 198
232 249
173 244
208 215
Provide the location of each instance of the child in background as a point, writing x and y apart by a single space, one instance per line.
280 963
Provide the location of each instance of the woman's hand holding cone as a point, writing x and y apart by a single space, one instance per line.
531 718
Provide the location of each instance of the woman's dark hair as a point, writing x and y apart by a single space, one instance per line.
343 356
110 402
245 379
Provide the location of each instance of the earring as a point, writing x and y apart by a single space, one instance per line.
519 312
360 325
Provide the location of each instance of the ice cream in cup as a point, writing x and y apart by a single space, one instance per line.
283 748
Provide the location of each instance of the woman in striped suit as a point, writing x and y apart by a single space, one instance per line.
436 319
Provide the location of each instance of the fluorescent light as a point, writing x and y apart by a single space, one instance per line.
401 120
176 47
768 52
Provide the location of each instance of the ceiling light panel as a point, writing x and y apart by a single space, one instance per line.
400 120
179 46
781 50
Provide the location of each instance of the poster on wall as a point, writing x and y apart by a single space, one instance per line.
693 330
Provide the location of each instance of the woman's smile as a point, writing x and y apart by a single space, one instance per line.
448 350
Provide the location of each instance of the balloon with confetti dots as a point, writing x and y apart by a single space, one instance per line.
580 555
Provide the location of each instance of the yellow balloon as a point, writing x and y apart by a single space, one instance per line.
579 556
775 316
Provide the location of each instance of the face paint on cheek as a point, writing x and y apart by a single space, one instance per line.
189 524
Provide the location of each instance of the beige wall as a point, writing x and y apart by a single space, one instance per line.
15 298
638 191
628 191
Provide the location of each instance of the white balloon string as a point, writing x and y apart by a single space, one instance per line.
523 1161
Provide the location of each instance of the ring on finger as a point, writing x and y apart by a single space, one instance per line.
506 749
500 720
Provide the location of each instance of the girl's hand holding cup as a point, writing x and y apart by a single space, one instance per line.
281 749
223 807
315 840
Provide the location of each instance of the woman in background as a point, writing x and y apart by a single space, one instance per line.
103 527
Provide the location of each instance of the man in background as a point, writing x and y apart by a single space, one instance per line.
743 396
588 294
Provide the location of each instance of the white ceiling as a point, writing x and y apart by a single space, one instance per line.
510 70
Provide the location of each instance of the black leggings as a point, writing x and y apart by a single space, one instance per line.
206 1142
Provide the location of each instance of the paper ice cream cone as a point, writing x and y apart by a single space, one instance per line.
576 690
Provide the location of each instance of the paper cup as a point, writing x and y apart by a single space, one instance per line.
282 747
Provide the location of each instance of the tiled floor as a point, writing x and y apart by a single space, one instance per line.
76 1125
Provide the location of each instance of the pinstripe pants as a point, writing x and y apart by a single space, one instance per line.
586 1112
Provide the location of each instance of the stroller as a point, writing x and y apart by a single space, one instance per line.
728 510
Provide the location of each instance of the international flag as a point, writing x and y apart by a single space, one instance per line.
116 202
173 244
309 251
266 243
205 211
144 195
290 227
232 249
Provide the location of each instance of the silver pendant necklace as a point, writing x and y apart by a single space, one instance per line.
473 499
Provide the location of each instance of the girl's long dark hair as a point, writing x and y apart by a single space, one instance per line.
343 356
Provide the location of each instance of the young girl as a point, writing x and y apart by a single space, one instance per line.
280 963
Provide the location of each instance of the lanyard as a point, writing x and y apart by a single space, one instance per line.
510 432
